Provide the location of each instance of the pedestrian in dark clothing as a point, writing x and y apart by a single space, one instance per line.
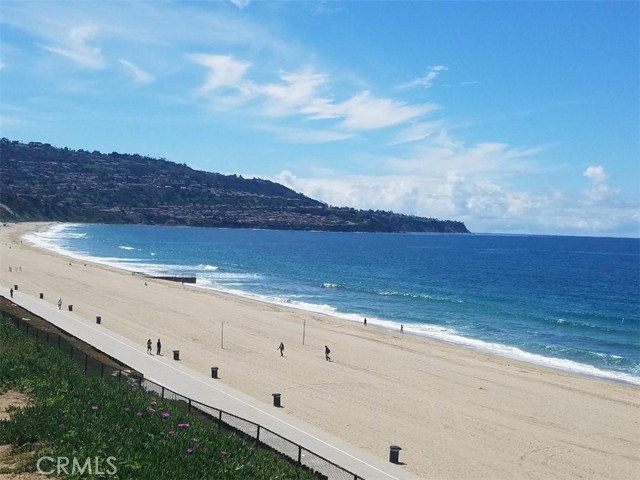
365 322
281 348
158 347
11 292
149 346
326 353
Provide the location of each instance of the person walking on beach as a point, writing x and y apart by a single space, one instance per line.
158 347
326 353
401 328
149 346
365 322
281 348
60 304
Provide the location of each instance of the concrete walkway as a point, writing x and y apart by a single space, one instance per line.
197 386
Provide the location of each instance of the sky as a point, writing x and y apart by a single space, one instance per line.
513 117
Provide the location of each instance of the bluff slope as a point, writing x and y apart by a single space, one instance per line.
39 182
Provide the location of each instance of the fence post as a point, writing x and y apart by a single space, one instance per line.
219 419
299 454
119 375
101 370
258 433
162 393
86 360
189 405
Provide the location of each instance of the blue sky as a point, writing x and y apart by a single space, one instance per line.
514 117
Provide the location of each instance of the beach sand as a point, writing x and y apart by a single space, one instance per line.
457 413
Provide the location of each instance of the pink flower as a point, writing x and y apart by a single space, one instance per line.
138 414
165 415
94 408
189 450
183 425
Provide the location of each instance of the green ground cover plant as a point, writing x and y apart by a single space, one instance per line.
116 426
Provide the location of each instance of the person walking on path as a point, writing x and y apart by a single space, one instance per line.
365 322
158 347
326 353
281 348
401 328
149 346
60 304
11 292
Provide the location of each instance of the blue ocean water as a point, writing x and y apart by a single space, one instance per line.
566 302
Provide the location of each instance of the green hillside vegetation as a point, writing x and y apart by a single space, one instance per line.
131 433
39 182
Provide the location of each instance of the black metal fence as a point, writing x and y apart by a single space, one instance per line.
273 441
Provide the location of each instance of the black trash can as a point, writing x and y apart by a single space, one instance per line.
98 320
15 287
394 452
176 354
71 308
276 399
41 295
214 372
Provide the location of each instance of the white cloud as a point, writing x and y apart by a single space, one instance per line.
241 3
367 112
297 93
139 75
313 136
484 205
224 71
599 189
418 131
76 47
426 80
596 174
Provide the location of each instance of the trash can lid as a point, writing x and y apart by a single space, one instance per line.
274 394
395 447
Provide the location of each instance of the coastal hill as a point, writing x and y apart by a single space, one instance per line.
40 182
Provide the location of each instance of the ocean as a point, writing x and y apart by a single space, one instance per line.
571 303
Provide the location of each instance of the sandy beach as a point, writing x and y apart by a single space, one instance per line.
456 413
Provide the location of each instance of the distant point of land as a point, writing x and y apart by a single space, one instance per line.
40 182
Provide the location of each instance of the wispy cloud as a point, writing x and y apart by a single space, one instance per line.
77 48
139 75
241 3
224 71
297 93
367 112
426 80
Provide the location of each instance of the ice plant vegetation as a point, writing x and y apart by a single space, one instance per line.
63 421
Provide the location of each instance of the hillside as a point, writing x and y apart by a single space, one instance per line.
39 182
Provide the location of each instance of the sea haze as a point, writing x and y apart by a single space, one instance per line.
566 302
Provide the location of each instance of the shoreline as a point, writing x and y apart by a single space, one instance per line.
455 411
389 325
